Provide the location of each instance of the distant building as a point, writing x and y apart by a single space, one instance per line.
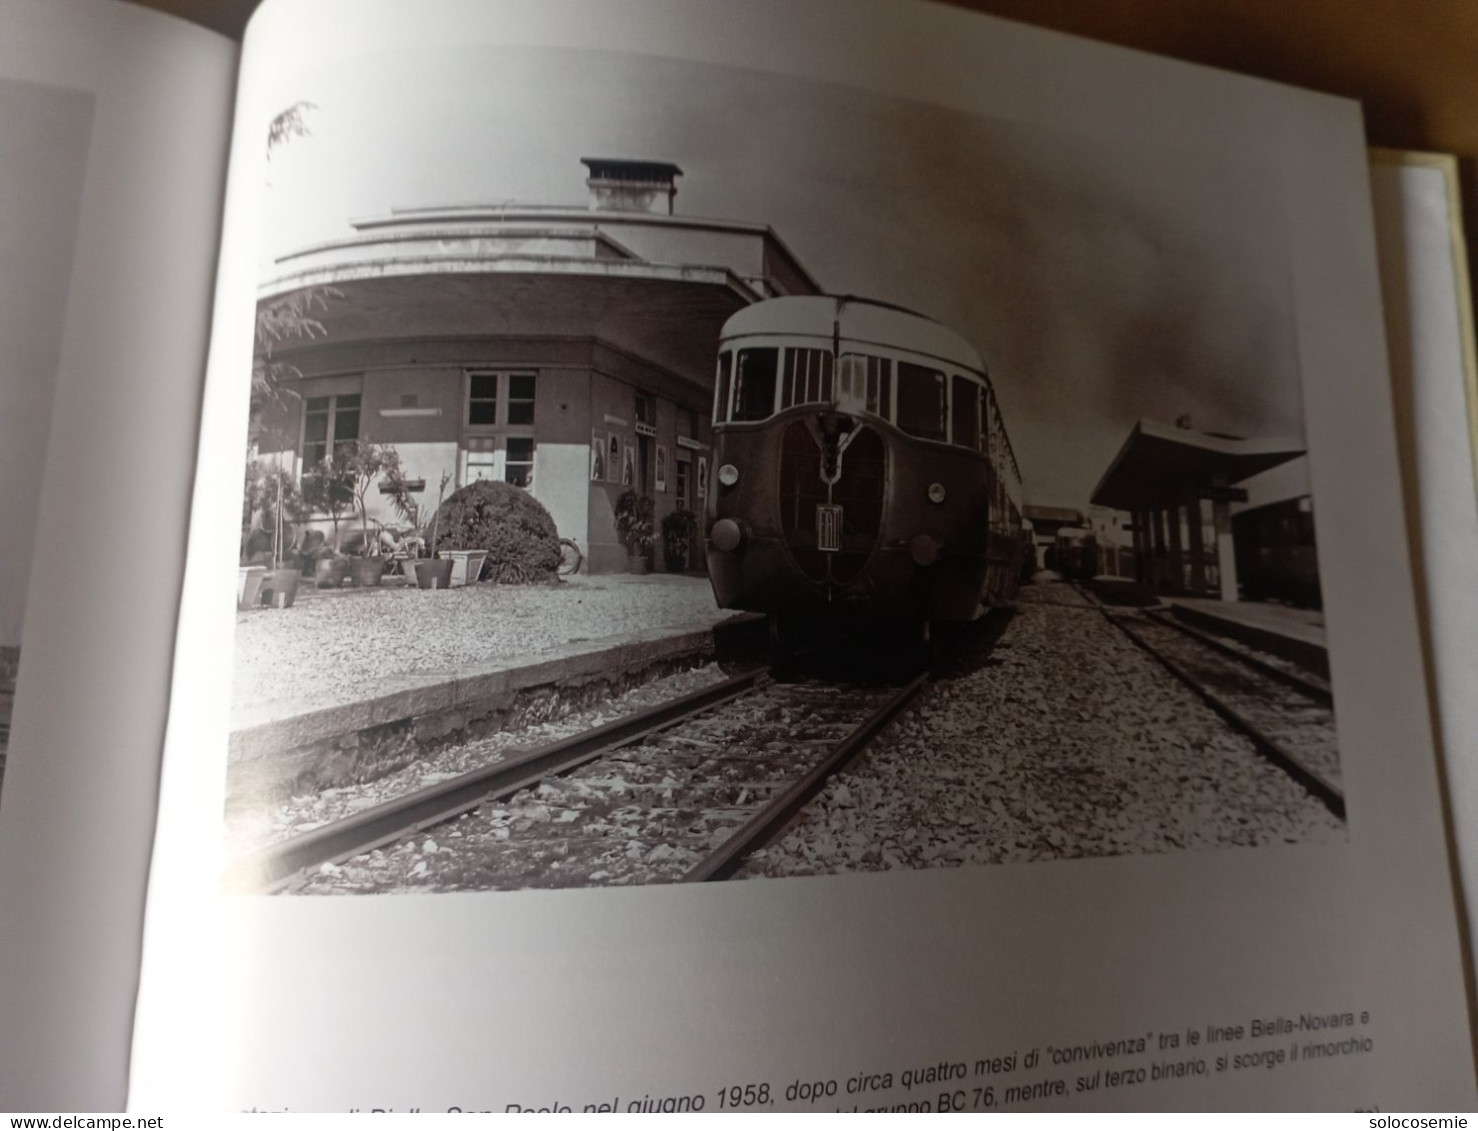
1115 541
568 350
1205 508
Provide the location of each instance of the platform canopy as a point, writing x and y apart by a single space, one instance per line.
1043 518
1160 464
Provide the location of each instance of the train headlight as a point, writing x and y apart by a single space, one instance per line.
728 475
727 535
936 492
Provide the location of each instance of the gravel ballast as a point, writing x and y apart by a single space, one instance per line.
1062 740
258 827
330 648
1072 742
645 813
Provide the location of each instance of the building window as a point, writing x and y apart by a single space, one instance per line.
509 459
328 423
687 423
520 398
482 399
500 399
482 459
646 409
518 463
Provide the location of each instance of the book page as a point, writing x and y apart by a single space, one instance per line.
777 569
1424 274
113 126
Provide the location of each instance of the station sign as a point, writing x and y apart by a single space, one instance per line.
644 429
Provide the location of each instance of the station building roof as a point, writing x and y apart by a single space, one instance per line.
1159 464
654 284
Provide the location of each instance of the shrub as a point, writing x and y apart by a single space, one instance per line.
634 522
677 537
677 530
506 521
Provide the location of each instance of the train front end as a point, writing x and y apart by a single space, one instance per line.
851 474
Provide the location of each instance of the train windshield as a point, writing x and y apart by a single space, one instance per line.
923 406
865 384
721 387
754 383
807 377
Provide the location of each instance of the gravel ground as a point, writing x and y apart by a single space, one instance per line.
1070 742
255 829
324 650
1299 724
644 814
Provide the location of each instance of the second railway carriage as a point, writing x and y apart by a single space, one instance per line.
861 464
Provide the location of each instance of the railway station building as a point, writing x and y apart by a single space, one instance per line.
569 350
1191 496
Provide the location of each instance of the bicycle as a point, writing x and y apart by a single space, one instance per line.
570 557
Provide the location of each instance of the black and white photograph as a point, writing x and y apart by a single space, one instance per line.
44 135
987 535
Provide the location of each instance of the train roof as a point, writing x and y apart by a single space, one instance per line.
857 319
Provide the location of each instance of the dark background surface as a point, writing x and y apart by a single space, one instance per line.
1413 63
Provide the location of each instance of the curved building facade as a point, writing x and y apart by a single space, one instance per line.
567 350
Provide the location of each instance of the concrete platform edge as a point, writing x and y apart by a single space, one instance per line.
1304 653
468 687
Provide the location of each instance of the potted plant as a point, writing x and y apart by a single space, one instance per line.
431 573
677 537
366 464
329 489
249 575
280 584
634 528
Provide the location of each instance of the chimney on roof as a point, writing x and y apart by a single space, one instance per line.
631 186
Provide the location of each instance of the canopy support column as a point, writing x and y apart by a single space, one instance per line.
1226 551
1194 528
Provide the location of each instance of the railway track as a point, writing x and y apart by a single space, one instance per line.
679 792
1288 718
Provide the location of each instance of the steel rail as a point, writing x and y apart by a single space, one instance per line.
1269 747
767 824
271 868
1292 679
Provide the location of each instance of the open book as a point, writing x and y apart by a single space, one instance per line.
668 556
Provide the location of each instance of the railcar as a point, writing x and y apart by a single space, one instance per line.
1075 553
1275 552
862 467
